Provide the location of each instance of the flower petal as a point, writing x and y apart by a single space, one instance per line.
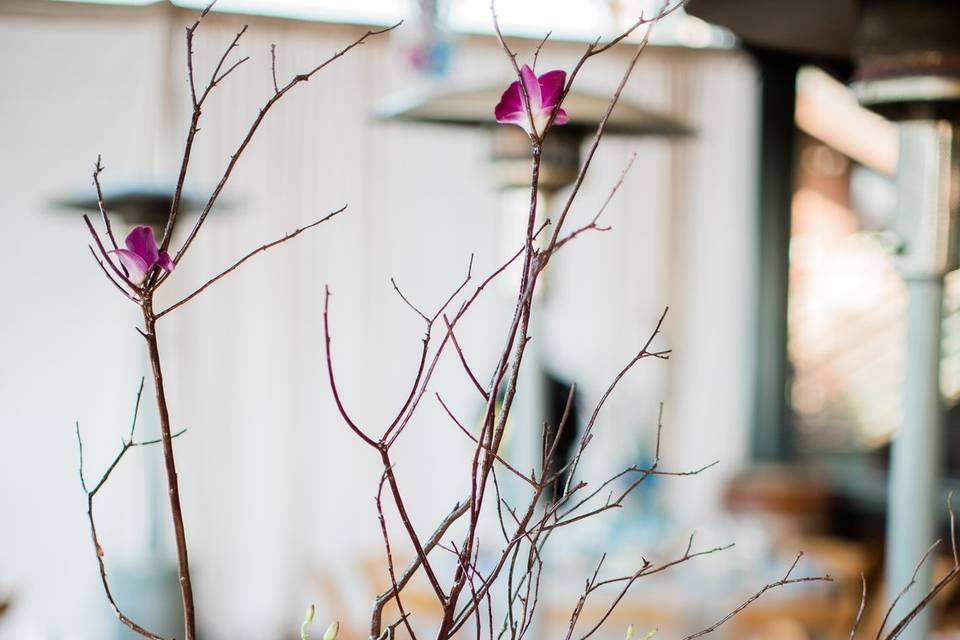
532 85
551 87
561 117
136 266
141 241
510 105
165 262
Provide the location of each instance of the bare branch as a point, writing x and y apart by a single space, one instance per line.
404 616
591 51
97 170
593 224
91 494
299 78
647 569
455 514
333 383
863 604
785 580
112 280
463 359
194 126
262 248
408 525
408 303
106 256
906 587
273 67
536 52
939 586
473 439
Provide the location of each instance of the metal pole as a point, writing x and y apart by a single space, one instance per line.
915 465
926 221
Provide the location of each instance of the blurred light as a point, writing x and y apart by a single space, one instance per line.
829 111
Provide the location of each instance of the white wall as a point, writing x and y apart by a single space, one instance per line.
273 484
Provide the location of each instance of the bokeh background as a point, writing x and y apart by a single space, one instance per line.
278 494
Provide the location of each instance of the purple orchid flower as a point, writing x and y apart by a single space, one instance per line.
142 254
544 93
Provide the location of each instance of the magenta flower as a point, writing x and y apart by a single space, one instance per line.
544 93
142 254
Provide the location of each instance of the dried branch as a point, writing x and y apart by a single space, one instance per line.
126 445
463 359
593 224
112 280
588 429
333 382
404 616
455 514
197 109
97 170
939 586
297 79
785 580
466 432
412 306
408 525
863 604
906 587
647 569
516 68
260 249
121 276
536 52
273 67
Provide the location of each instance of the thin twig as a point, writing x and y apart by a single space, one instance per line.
940 585
92 493
785 580
404 616
262 248
112 280
97 170
297 79
863 604
536 52
273 67
906 587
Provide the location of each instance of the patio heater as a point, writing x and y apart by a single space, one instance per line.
149 590
472 107
906 56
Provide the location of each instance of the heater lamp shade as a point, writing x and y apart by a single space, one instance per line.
474 107
815 28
